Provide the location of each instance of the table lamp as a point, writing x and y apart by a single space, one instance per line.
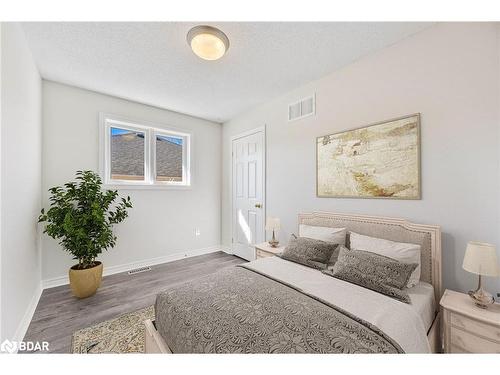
481 258
273 224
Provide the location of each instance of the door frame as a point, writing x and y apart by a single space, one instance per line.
260 129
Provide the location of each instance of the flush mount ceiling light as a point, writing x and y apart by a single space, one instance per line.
207 42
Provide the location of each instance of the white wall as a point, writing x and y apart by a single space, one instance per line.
450 74
162 222
20 183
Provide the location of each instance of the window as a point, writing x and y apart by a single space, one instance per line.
127 154
168 158
139 154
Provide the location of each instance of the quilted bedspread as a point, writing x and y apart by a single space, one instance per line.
242 310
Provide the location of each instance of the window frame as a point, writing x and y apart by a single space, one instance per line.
150 130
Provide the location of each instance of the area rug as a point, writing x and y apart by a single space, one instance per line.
124 334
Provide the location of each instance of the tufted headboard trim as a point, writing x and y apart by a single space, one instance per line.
400 230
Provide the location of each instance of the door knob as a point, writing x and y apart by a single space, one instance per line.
258 205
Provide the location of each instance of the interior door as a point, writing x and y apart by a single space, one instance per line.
248 194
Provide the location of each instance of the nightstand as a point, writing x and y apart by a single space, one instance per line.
468 328
264 250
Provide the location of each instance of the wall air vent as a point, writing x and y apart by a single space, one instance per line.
139 270
303 108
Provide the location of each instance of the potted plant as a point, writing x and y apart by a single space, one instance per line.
81 216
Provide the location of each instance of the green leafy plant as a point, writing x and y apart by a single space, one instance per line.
81 216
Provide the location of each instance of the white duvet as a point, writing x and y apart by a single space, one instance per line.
398 320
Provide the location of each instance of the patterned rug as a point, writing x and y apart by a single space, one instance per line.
124 334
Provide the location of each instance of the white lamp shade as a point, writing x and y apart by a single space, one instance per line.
272 223
481 258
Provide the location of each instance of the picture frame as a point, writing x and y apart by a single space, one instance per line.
376 161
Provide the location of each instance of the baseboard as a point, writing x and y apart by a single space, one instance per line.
64 280
22 328
227 249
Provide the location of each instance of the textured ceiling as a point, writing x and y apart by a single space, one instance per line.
151 62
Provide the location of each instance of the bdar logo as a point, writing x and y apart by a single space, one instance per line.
8 347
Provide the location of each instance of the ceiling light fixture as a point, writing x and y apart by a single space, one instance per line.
207 42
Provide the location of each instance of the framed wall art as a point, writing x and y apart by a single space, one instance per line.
376 161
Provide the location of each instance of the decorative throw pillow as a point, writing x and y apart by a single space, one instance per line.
373 271
401 251
308 251
327 234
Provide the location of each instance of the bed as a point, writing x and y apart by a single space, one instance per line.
272 305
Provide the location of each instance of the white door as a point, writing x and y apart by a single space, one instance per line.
248 194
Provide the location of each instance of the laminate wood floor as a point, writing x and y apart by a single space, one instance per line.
58 314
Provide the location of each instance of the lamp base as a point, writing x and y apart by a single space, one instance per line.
481 298
274 243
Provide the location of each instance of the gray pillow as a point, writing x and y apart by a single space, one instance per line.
309 252
373 271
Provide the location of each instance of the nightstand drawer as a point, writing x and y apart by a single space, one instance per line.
468 342
263 254
475 327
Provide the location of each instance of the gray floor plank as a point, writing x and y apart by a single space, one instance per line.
58 314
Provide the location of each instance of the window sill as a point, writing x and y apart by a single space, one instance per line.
145 187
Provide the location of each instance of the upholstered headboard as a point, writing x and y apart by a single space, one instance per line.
400 230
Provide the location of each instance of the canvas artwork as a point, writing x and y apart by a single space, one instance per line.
377 161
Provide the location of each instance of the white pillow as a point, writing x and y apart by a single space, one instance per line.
403 252
335 235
